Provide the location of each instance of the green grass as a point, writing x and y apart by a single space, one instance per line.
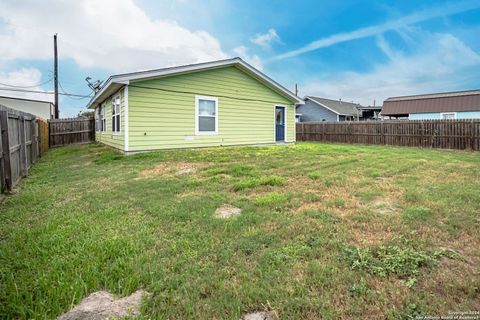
326 231
248 183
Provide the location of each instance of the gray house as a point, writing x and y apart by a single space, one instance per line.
321 109
40 108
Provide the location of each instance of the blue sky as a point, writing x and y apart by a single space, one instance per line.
355 50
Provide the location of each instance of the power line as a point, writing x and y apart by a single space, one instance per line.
47 92
32 86
69 95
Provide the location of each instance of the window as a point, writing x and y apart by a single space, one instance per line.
101 118
448 115
206 115
116 114
99 121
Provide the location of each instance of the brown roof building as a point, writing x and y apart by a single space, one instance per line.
448 105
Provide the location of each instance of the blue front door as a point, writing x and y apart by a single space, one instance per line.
279 123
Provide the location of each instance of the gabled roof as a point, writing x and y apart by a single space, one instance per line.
435 102
435 95
25 99
115 82
337 106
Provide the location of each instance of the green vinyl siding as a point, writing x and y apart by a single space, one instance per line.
164 119
108 137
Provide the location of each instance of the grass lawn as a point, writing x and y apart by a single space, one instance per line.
327 231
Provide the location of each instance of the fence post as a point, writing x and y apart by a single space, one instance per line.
34 148
23 148
472 135
382 132
39 134
422 133
7 183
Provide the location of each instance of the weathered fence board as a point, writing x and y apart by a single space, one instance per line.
71 131
43 136
445 134
19 142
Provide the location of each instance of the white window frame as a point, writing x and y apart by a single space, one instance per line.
114 115
197 105
103 120
98 127
444 113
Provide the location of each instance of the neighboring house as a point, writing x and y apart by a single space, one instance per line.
448 105
43 109
369 112
219 103
321 109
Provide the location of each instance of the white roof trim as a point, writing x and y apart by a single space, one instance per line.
143 75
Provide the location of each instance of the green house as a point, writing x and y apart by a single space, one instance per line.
219 103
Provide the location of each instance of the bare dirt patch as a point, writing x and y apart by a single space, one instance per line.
383 205
81 165
260 315
189 194
103 305
369 235
169 169
226 211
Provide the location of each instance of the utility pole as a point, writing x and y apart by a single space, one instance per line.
55 73
296 89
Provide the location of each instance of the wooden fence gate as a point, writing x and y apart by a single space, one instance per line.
71 131
20 145
446 134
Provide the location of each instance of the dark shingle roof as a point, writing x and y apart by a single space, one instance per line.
338 106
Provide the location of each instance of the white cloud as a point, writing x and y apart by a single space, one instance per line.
23 77
442 62
113 34
427 14
264 39
254 60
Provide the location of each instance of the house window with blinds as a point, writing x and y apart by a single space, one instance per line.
116 114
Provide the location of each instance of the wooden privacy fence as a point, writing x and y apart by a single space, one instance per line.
446 134
43 136
21 144
71 131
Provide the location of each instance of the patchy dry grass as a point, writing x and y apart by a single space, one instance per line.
325 231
